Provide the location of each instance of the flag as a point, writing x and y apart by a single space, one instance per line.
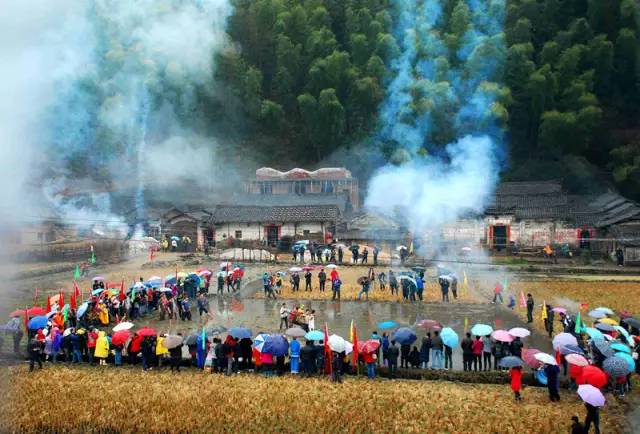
584 306
61 299
48 309
92 259
74 302
26 319
76 274
523 300
411 248
65 312
578 328
204 340
76 290
327 351
505 285
122 295
354 339
544 315
465 280
466 324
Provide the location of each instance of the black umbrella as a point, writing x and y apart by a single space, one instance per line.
603 347
190 340
511 362
616 367
216 330
633 322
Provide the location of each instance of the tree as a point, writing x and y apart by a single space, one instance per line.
272 116
332 119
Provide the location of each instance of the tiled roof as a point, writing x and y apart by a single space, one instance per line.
265 214
339 200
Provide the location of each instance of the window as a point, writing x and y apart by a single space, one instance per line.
238 235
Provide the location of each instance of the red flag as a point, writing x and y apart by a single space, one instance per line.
354 338
48 309
122 295
73 303
76 290
61 299
327 352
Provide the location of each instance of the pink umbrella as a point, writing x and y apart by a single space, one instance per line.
559 310
563 339
591 395
519 332
502 336
576 359
430 324
528 355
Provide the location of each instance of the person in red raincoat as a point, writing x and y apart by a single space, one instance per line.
134 348
516 381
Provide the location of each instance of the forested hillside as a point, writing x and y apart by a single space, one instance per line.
311 75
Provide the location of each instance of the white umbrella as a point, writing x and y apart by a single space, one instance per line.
605 310
348 347
152 278
260 340
545 358
519 332
123 326
332 266
337 343
295 269
401 248
67 332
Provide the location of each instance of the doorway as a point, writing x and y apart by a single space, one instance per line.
273 235
500 238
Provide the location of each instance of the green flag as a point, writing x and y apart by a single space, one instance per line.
65 312
76 274
204 339
92 260
505 286
578 328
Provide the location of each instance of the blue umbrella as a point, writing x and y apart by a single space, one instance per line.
629 359
617 346
571 349
404 336
98 291
511 362
37 322
603 347
82 309
594 333
171 281
277 346
239 332
449 337
387 325
481 330
541 377
314 335
616 366
625 333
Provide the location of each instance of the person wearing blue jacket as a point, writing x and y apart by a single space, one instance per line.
419 286
294 356
201 350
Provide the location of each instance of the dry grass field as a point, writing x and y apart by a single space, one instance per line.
60 399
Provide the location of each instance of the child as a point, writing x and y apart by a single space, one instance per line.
516 381
512 301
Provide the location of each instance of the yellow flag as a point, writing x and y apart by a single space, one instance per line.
544 311
411 248
351 331
466 324
465 281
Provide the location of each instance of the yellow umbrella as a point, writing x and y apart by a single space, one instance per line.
609 321
182 275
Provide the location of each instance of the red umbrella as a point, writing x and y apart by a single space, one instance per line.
430 324
119 338
592 375
146 331
575 371
528 355
32 311
368 347
624 314
307 268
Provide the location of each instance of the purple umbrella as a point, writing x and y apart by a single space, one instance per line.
571 349
502 336
564 339
591 395
559 310
277 346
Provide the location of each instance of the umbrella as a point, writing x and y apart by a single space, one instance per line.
603 347
563 339
260 341
559 310
368 347
571 349
81 331
37 322
123 326
175 238
308 268
633 322
204 273
502 336
401 248
295 332
98 279
314 335
605 327
119 338
277 346
610 321
67 332
387 325
592 375
191 339
146 331
165 289
616 366
629 359
481 330
528 355
362 279
295 269
519 332
449 337
404 336
594 333
618 346
624 333
337 344
608 338
172 341
332 266
546 358
541 377
239 332
348 347
591 395
221 274
216 330
597 314
154 279
430 324
624 314
82 309
605 310
510 362
32 311
576 359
